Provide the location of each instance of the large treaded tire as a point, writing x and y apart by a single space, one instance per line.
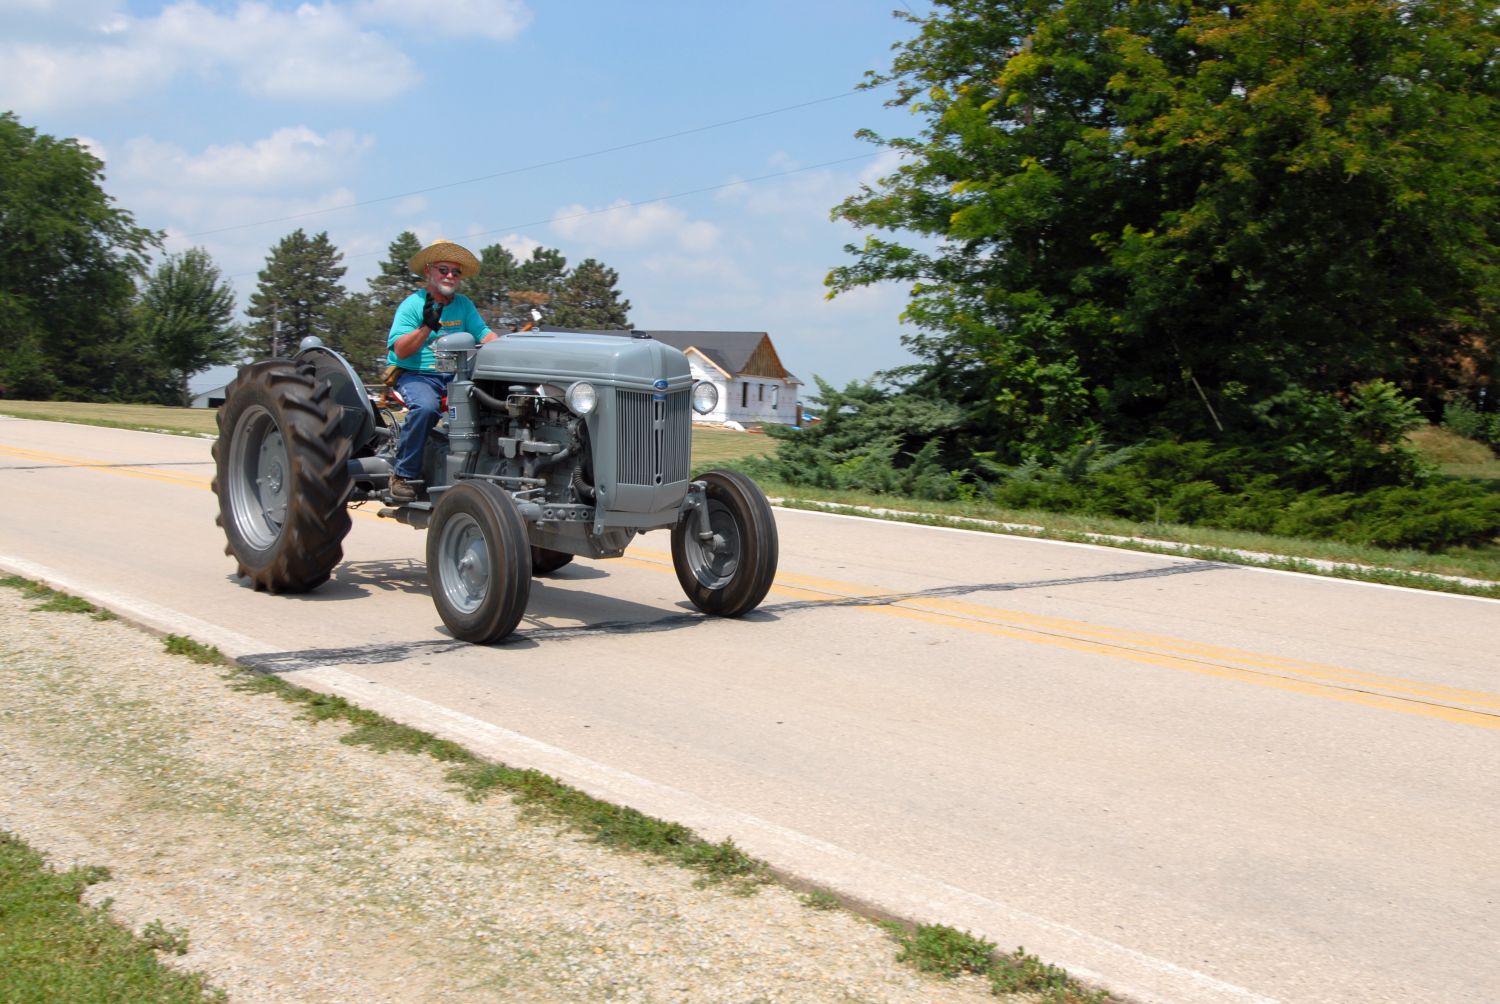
729 575
478 562
281 475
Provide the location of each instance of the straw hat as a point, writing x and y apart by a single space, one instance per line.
441 250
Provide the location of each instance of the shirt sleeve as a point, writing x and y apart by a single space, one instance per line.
408 318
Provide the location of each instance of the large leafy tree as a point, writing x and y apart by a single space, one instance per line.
185 319
298 295
1181 215
589 297
69 259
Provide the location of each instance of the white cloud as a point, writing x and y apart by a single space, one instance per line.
410 206
519 245
290 158
42 78
501 20
267 52
623 225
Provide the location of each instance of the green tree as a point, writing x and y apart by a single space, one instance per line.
395 280
1159 216
69 259
358 327
589 297
185 318
490 289
299 292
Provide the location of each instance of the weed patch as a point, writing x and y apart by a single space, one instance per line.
1019 973
948 953
937 948
53 601
204 655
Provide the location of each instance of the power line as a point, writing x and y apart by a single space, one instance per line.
633 205
531 167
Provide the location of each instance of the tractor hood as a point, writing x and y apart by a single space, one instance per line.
561 357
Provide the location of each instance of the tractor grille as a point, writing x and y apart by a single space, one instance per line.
655 437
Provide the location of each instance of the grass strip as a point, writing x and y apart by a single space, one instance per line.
540 794
930 948
54 947
54 601
1202 552
947 952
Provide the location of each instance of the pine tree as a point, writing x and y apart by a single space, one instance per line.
395 280
497 273
298 294
588 298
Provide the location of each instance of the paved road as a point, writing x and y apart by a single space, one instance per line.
1191 781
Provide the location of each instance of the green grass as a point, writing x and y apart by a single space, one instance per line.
947 953
149 417
53 600
54 947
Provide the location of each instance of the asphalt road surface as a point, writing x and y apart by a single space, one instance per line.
1188 781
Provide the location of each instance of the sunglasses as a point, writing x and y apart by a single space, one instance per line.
445 270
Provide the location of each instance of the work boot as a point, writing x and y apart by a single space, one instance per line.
400 490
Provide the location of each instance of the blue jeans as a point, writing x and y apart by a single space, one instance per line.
423 394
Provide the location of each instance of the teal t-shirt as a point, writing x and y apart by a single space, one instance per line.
460 315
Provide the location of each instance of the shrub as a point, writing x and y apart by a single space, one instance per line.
1461 417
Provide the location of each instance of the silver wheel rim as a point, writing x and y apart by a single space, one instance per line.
463 563
715 561
260 478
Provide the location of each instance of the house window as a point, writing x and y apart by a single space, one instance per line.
761 394
744 395
775 397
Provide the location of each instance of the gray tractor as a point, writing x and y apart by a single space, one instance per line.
554 444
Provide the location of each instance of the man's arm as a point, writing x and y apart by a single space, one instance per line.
411 343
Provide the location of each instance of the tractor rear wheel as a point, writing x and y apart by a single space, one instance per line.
281 475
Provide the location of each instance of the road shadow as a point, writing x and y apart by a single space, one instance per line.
606 615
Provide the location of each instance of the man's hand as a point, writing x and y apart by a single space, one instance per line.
432 315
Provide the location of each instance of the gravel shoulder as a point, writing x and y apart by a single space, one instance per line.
304 869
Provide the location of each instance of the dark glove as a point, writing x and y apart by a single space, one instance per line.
432 315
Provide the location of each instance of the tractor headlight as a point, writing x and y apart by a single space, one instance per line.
705 397
582 398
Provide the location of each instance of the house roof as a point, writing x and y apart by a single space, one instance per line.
733 352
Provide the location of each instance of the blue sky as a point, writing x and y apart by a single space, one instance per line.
228 125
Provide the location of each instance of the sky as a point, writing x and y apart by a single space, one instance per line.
695 147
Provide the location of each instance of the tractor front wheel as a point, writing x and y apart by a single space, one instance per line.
727 570
478 562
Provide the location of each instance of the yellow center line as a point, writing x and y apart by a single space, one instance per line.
1263 670
1258 669
109 466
